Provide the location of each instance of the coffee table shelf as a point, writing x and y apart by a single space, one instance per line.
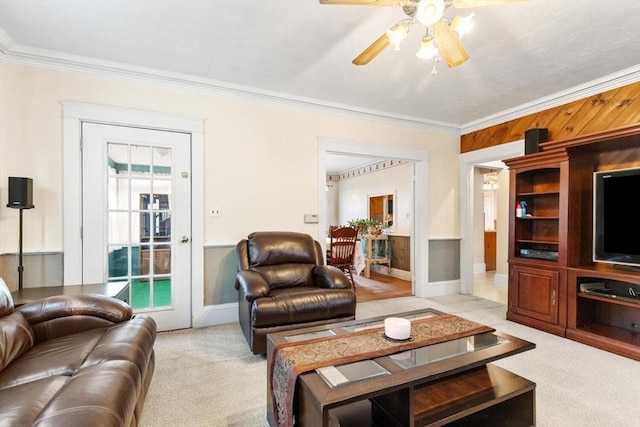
485 396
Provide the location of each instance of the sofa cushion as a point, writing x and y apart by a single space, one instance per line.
287 275
22 404
273 248
59 356
131 341
16 337
102 395
301 305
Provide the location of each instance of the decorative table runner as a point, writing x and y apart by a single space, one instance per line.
294 358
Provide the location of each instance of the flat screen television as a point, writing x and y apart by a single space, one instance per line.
616 224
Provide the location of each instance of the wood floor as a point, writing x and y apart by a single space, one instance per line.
380 286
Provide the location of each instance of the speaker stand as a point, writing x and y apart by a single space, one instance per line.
20 266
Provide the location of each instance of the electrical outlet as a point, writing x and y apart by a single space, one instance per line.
215 212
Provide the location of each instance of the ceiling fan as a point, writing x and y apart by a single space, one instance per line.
442 36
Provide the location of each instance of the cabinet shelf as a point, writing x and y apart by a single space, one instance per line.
612 324
611 300
538 242
529 218
538 193
618 335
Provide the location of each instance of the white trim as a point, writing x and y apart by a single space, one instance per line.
12 52
467 163
130 117
217 315
436 289
197 225
479 267
420 158
73 114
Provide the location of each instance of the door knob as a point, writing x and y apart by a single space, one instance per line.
184 239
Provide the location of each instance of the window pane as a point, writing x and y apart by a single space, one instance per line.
118 226
118 190
118 159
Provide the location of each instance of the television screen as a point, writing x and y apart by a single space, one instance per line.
616 223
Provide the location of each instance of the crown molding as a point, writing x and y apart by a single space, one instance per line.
611 81
363 170
12 52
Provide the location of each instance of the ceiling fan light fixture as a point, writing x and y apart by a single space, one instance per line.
430 11
449 45
397 33
462 24
428 48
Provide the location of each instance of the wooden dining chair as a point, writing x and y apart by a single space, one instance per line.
342 247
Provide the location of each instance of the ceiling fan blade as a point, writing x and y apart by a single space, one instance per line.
463 4
449 45
364 2
373 50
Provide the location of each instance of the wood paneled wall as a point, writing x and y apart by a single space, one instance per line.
608 110
400 252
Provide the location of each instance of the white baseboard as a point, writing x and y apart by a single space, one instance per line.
216 315
479 267
437 289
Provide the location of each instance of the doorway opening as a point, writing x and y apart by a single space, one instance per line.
417 220
491 284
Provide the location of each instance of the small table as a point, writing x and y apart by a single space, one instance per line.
429 386
377 252
119 290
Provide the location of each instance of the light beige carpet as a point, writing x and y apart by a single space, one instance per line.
209 377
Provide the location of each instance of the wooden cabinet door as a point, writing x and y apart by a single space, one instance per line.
534 292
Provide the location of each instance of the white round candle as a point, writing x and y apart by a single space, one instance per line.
397 328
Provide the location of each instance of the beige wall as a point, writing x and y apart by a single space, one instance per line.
260 158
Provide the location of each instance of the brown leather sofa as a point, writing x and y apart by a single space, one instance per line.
81 360
282 284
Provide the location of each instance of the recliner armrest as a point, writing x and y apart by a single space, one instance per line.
252 285
328 276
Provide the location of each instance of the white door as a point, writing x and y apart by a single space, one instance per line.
136 217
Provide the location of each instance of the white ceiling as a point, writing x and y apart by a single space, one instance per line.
522 54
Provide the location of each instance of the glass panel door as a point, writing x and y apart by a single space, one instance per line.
131 235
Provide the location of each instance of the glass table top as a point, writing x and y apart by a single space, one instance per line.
445 350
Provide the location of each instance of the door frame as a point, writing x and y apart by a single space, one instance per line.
468 161
419 249
73 115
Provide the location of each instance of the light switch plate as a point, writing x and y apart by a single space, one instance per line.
310 218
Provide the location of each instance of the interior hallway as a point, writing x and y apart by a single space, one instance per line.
484 287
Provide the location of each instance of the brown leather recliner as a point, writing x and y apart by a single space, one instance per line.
282 284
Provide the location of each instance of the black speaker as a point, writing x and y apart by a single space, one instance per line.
533 137
20 193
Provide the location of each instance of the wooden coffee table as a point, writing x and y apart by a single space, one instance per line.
441 384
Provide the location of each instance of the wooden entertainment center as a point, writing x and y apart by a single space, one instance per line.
550 247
